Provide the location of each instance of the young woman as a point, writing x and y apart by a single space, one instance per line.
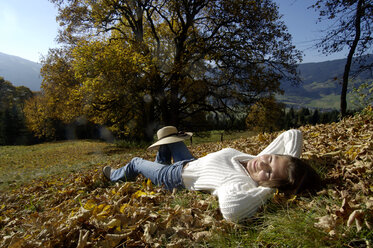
242 182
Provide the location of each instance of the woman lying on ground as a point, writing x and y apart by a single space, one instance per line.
242 182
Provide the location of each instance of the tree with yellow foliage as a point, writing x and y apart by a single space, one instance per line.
266 115
140 63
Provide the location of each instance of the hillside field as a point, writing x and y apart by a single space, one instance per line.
53 195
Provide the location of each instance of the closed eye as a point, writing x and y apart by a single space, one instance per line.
270 162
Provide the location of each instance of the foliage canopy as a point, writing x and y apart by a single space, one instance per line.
12 122
266 115
135 65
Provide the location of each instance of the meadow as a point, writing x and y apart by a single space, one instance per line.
53 195
22 164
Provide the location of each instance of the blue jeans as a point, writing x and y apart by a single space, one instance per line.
160 172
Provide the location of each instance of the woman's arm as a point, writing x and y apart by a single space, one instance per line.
287 143
237 203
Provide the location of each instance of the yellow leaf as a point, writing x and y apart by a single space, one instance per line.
149 184
123 207
138 194
90 205
261 137
114 223
293 198
314 134
27 236
102 211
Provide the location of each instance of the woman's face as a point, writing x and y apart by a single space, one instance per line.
268 167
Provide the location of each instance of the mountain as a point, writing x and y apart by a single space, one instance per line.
20 72
321 85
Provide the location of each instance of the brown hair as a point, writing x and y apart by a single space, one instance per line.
301 178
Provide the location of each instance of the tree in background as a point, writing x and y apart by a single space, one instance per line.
135 64
48 111
363 95
13 129
114 90
354 30
315 117
40 119
266 115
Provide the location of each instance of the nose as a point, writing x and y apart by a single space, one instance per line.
263 165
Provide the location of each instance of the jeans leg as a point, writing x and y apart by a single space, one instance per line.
167 175
179 151
163 155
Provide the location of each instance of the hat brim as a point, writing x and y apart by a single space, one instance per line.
171 139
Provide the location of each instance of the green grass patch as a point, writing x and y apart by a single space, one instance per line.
324 101
184 198
218 135
22 164
291 227
285 225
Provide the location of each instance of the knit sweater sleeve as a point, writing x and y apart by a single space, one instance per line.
238 201
287 143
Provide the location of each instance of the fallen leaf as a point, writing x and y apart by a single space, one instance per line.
83 238
357 216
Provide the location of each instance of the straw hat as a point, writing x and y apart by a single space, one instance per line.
168 135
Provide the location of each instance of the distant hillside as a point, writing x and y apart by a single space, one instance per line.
321 85
20 71
320 88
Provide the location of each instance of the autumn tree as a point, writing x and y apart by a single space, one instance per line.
55 105
145 62
114 90
353 29
266 115
39 119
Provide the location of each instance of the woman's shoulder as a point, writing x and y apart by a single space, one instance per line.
231 151
225 152
228 149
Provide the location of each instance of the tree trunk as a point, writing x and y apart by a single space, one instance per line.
346 72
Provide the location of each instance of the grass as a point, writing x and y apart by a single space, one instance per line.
324 101
218 135
286 227
287 224
22 164
183 198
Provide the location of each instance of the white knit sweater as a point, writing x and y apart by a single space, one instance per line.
222 174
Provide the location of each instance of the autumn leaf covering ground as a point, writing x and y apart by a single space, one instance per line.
78 208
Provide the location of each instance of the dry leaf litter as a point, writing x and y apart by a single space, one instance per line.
82 210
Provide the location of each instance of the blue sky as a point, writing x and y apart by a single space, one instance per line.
306 31
28 28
